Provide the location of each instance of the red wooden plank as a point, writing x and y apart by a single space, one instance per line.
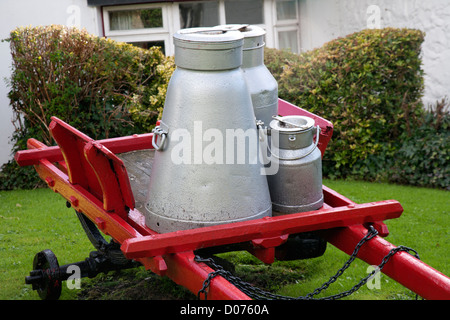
185 240
183 270
53 154
83 201
112 177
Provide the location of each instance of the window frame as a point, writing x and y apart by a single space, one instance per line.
286 25
176 11
286 22
112 33
287 29
223 14
141 35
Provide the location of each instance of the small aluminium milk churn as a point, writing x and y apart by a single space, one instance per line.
297 185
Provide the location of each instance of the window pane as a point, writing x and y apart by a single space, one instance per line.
204 14
149 44
136 19
244 11
286 10
288 40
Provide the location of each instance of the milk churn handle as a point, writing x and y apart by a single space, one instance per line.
305 155
158 131
260 128
262 45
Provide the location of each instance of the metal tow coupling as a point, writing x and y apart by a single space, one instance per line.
47 275
257 293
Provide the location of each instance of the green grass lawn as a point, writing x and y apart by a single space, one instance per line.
31 221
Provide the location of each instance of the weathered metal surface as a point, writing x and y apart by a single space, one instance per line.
261 84
139 165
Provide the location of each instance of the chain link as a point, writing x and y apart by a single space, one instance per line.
259 294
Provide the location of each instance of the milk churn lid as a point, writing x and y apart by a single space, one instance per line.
208 49
208 38
292 124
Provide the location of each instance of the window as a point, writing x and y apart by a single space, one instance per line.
286 25
144 25
199 14
136 19
288 40
244 11
286 10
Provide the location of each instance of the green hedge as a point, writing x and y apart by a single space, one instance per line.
101 87
424 156
370 85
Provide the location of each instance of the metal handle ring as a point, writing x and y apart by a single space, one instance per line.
159 132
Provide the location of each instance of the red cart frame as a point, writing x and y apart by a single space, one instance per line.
89 175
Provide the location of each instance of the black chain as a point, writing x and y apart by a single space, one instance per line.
256 293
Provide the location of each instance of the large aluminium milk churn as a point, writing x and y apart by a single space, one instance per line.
297 185
205 170
262 85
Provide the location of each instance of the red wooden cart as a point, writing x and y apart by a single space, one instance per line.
93 179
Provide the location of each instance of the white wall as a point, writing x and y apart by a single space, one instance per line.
14 13
324 20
